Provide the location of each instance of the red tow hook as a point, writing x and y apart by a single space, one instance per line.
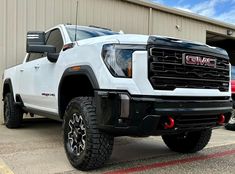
170 124
221 119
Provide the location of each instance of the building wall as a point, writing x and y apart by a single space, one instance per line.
20 16
195 30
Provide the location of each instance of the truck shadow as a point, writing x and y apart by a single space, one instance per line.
39 121
45 135
126 149
134 148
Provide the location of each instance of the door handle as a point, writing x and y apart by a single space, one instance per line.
22 70
36 66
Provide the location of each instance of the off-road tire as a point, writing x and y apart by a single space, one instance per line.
13 113
190 142
231 123
98 144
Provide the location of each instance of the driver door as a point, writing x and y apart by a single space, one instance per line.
38 84
46 86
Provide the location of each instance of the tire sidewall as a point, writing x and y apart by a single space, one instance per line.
73 108
98 144
232 117
229 125
193 142
6 109
13 114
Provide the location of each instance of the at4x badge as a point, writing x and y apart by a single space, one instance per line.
199 60
48 95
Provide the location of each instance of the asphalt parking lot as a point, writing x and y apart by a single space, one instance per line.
37 148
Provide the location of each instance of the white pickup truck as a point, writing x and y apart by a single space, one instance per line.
103 84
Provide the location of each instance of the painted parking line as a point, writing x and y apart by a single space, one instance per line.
172 163
4 169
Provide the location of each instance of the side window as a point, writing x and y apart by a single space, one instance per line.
55 39
34 56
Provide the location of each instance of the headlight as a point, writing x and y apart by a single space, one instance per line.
118 58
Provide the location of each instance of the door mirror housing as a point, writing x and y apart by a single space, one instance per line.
41 49
36 43
53 57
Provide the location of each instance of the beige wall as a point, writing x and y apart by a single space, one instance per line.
19 16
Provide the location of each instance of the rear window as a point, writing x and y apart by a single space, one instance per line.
87 32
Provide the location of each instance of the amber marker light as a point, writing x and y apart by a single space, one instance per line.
129 69
76 68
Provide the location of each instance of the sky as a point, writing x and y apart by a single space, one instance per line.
223 10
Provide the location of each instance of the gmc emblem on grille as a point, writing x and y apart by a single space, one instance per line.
199 60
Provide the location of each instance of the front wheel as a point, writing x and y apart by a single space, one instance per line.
86 146
231 123
189 142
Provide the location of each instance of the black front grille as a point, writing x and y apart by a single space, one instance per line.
185 122
167 71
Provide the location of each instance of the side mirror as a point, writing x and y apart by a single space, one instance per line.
36 43
53 57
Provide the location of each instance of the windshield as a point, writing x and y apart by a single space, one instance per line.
233 72
87 32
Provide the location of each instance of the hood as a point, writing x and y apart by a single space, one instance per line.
161 41
119 38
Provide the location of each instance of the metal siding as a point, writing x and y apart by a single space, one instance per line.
40 14
66 12
2 45
175 11
19 16
114 14
11 32
49 18
58 11
72 10
21 30
193 30
164 24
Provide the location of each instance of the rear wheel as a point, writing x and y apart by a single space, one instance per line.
190 142
86 146
13 113
231 123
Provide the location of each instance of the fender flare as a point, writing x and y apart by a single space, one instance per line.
83 70
7 82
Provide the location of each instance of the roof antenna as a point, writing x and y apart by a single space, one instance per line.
76 27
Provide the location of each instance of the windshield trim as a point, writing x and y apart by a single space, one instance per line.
87 32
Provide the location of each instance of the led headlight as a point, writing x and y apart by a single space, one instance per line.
118 58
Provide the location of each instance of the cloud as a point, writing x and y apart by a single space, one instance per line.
208 8
180 1
227 16
184 9
158 1
205 8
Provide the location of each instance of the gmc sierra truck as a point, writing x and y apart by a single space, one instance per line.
103 84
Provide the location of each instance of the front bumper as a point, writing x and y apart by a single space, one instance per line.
122 114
